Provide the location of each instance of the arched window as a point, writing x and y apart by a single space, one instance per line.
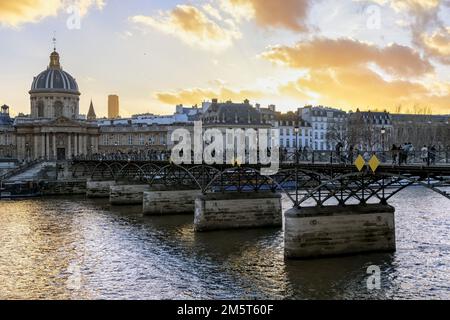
58 106
40 109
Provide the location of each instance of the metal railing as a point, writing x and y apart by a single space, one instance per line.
385 157
21 169
303 157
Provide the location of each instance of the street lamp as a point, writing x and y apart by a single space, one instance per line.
27 149
383 133
383 147
296 130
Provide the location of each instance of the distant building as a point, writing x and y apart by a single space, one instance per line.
54 130
194 113
328 126
231 115
372 131
113 107
7 134
295 133
421 130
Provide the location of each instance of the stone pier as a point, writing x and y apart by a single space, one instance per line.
99 189
169 202
127 194
237 210
336 230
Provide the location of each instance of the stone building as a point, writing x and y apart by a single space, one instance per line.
7 135
371 131
295 133
231 115
328 126
430 130
54 129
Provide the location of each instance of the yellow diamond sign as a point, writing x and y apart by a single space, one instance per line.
360 163
374 163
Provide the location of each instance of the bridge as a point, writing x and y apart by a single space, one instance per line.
337 208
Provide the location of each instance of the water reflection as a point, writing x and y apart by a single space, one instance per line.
77 248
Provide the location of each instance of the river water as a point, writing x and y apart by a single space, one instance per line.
75 248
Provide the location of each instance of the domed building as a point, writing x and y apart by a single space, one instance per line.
54 130
54 93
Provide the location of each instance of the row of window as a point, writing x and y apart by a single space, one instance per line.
6 139
111 140
290 132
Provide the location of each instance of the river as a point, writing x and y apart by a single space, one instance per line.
76 248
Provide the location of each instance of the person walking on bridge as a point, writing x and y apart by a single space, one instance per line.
424 154
395 153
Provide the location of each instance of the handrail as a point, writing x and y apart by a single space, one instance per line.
19 170
301 156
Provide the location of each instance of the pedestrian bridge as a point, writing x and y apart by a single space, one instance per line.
323 183
337 208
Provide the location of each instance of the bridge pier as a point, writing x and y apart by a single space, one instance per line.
127 194
221 211
167 202
99 189
336 230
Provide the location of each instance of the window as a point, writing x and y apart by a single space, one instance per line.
40 108
58 109
130 140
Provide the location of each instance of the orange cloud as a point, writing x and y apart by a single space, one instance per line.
17 12
289 14
438 44
197 95
424 15
192 26
360 87
325 53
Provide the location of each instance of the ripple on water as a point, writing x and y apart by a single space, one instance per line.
72 248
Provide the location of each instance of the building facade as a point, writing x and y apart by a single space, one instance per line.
328 126
113 107
295 133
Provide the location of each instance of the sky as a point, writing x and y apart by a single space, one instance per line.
375 54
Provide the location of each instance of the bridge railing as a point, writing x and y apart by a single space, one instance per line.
19 170
304 157
385 157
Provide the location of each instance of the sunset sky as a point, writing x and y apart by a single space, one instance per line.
158 53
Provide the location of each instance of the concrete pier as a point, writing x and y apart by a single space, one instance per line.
127 194
237 210
337 230
99 189
169 202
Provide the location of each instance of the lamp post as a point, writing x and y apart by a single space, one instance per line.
383 147
296 130
27 149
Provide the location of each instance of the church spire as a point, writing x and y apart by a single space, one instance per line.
91 114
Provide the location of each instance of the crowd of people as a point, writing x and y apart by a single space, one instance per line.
151 155
398 155
402 154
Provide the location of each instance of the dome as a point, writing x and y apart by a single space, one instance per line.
54 79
